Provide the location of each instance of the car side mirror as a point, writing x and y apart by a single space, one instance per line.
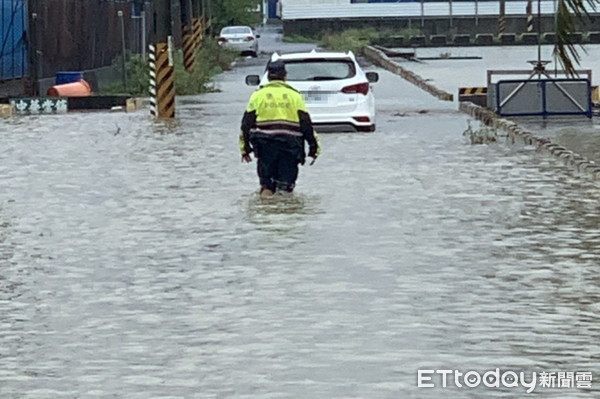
372 77
252 80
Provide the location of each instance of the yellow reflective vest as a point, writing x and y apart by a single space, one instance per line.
277 109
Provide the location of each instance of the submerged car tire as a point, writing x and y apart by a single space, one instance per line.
370 128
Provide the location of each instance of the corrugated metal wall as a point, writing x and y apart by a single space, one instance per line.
13 45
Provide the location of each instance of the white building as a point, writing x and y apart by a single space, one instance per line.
310 2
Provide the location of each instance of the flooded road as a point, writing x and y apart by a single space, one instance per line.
136 260
578 134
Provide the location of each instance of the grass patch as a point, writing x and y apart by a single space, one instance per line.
355 39
299 39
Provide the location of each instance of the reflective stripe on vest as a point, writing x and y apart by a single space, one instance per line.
278 127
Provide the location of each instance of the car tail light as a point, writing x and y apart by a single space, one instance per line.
361 118
249 38
222 40
362 88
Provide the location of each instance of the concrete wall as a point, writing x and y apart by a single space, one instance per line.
427 26
298 2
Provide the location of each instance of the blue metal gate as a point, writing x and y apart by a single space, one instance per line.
13 44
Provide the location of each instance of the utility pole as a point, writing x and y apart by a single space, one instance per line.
32 87
208 16
161 62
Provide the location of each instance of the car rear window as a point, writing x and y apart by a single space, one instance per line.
319 69
235 31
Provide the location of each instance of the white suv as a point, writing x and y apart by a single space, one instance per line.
337 92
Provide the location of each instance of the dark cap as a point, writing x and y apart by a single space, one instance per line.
276 68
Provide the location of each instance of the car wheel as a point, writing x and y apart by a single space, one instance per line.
370 128
253 54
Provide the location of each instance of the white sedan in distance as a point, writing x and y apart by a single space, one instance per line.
337 92
239 38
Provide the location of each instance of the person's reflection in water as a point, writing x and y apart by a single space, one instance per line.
282 212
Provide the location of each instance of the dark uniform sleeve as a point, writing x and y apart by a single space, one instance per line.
309 133
248 122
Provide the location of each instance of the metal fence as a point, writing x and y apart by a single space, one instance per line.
41 37
82 35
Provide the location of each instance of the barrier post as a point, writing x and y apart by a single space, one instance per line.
152 88
189 45
502 17
529 11
197 24
161 63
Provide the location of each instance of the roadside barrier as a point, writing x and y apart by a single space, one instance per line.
152 87
488 117
162 81
379 58
515 134
477 95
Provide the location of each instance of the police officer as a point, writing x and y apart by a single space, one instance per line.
275 127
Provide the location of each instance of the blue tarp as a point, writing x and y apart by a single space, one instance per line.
13 45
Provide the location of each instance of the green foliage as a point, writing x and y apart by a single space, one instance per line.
210 61
350 40
236 12
298 39
568 12
138 75
355 39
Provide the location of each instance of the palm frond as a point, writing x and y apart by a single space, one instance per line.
568 12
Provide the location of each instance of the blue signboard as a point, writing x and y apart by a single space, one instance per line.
13 44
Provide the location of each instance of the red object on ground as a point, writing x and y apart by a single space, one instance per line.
81 88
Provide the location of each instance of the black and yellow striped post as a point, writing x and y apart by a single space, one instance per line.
476 95
529 11
198 33
469 91
152 87
162 80
189 47
502 17
165 81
